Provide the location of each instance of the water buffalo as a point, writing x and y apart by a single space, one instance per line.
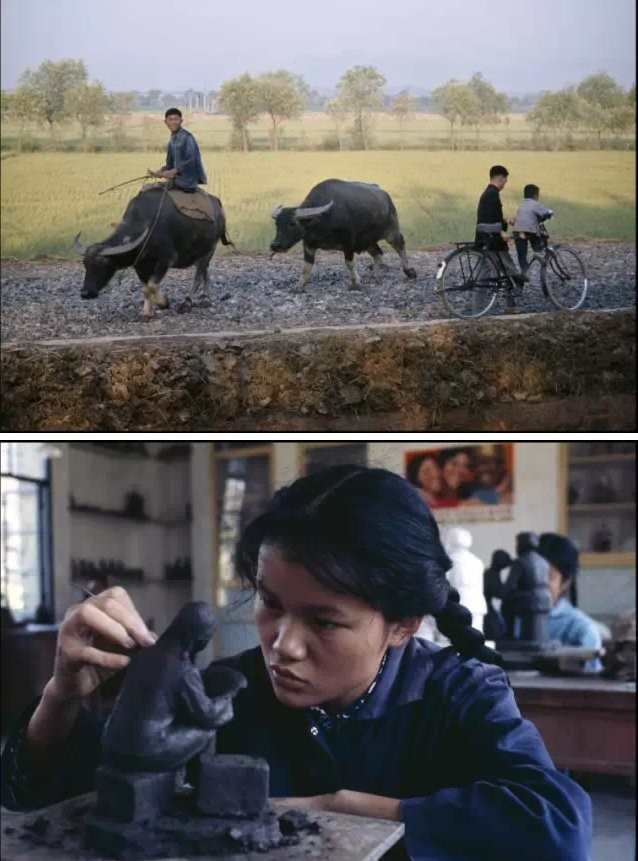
153 244
344 216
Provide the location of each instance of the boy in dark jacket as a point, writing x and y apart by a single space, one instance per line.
491 225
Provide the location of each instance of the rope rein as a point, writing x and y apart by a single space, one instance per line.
150 233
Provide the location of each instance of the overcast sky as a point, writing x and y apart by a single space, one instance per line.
519 45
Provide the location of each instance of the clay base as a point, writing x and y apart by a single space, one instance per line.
181 831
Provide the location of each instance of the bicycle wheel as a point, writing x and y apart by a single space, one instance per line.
564 279
468 283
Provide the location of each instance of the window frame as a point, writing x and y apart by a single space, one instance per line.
44 529
258 450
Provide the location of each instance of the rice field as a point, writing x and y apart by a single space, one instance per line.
48 197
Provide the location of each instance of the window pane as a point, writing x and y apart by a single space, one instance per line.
21 588
243 492
23 458
319 458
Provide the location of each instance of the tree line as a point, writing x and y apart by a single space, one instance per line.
60 91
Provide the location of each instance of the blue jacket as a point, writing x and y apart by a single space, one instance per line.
182 153
442 734
571 627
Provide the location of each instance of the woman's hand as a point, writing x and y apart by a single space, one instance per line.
348 801
94 642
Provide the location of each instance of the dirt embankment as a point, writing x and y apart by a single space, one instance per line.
555 372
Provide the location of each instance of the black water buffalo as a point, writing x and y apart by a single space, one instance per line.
344 216
154 240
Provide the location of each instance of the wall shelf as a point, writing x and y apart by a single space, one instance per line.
600 507
123 515
612 469
601 458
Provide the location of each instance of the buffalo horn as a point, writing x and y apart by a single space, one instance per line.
276 211
77 245
127 246
313 211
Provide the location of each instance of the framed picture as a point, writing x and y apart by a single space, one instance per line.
466 482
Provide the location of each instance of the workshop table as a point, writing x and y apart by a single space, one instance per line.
587 724
341 837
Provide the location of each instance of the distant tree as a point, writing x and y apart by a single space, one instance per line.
87 104
338 113
560 112
48 84
491 106
360 89
23 106
458 104
122 103
5 102
240 98
631 95
315 101
601 96
282 96
403 107
621 119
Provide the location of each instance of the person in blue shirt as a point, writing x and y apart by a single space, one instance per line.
183 166
353 713
567 624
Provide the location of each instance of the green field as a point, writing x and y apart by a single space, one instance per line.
48 197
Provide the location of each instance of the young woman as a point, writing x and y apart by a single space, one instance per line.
351 711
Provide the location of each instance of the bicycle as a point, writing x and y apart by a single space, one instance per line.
469 278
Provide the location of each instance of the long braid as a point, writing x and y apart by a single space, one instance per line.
455 622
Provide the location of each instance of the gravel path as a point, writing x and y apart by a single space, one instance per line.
41 300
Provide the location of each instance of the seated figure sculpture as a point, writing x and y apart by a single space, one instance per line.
165 719
163 716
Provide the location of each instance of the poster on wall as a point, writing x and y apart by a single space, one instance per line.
466 482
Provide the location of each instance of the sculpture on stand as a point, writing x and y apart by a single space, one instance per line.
165 719
494 590
526 599
466 574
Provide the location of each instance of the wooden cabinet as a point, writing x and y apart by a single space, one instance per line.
599 502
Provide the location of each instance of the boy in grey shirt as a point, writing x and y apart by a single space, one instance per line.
528 217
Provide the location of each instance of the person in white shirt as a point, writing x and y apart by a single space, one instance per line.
528 217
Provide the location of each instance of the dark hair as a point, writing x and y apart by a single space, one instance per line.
172 111
366 532
562 553
498 170
412 471
531 190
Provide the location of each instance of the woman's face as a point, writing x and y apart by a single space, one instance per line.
429 476
332 644
451 474
463 465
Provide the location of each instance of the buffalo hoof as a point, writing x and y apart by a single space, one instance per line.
410 273
299 288
355 285
165 304
185 306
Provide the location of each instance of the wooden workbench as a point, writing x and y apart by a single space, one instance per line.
588 724
341 837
